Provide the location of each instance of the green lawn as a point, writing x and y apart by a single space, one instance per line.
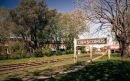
30 71
114 56
99 71
33 59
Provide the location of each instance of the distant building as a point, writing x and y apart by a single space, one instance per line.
115 47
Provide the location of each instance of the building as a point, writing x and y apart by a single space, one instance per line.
115 47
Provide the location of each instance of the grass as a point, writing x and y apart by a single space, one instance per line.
30 71
33 59
114 56
100 70
36 59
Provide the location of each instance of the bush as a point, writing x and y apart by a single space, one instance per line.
58 52
47 52
4 56
18 54
27 55
38 53
24 54
14 56
69 51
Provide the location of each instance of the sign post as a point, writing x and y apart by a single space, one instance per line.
109 50
75 55
91 52
109 54
89 42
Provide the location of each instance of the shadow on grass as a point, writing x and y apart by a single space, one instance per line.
13 79
98 71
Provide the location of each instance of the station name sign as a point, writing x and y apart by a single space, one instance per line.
92 41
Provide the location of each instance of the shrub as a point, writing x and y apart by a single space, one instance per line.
47 52
15 55
83 51
69 51
58 52
24 54
18 54
4 56
27 55
38 53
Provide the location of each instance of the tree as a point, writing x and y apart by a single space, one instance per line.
31 16
49 33
53 31
72 24
4 25
113 14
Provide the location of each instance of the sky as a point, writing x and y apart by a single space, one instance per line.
60 5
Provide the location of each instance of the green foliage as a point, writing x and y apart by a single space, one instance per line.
69 51
33 17
3 38
82 49
16 47
18 54
59 52
15 55
38 53
47 51
3 56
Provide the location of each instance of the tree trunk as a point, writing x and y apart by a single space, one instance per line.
124 49
35 37
34 41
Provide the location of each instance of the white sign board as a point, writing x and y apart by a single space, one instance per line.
92 41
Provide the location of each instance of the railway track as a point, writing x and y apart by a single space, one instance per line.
6 69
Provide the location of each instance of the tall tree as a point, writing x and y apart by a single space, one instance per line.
32 16
73 24
53 30
113 14
4 26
